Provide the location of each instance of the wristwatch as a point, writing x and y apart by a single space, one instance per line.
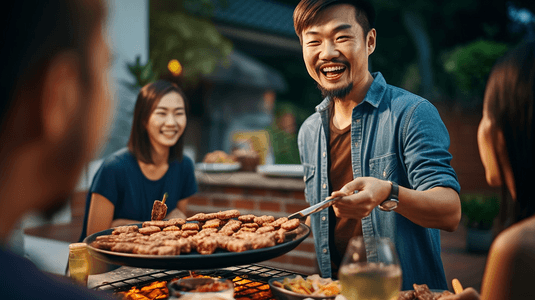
392 201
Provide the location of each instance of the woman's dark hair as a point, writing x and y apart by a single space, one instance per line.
306 11
509 101
147 100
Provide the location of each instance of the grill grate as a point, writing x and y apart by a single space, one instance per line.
251 288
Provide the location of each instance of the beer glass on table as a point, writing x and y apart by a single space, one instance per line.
79 263
376 278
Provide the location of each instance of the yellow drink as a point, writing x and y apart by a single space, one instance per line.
370 281
79 262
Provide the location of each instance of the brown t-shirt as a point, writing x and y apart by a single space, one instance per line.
340 173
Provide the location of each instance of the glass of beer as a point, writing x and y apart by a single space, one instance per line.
79 262
372 275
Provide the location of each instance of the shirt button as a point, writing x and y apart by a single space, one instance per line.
324 154
356 144
323 218
324 186
324 250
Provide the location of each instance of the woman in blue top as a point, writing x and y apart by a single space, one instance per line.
127 183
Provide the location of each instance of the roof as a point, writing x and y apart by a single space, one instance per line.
245 70
264 15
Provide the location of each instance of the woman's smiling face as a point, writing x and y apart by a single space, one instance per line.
167 122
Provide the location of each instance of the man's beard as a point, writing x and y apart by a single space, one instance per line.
339 93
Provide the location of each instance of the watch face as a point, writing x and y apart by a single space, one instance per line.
389 205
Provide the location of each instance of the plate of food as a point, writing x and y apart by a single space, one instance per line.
218 167
203 241
219 161
422 291
281 170
296 287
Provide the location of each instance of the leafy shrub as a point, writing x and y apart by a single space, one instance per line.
470 66
480 210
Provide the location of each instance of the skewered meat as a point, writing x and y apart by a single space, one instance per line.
159 210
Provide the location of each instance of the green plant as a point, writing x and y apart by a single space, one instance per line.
480 210
470 66
142 74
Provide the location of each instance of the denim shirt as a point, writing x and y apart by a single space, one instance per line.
396 136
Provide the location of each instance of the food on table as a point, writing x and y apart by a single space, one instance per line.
247 218
312 285
219 157
277 223
203 232
159 209
263 219
155 290
422 292
290 224
125 229
244 289
211 287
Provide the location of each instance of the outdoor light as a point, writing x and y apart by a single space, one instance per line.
175 67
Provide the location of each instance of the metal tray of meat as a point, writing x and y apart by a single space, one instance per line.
194 260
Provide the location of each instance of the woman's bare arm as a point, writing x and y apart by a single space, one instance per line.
179 211
100 214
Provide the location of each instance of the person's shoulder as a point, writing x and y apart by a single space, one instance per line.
186 161
408 104
516 240
186 164
402 97
311 123
119 158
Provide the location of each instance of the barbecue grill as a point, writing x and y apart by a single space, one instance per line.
250 281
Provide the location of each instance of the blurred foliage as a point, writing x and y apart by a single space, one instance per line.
142 73
192 39
470 66
480 210
284 143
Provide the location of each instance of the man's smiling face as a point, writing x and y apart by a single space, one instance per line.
336 50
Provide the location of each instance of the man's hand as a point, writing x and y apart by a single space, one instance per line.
467 294
360 196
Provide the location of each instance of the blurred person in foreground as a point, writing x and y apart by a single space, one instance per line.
381 147
128 181
506 146
54 114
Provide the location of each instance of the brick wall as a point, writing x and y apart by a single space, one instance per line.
462 128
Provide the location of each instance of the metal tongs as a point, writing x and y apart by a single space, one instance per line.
314 208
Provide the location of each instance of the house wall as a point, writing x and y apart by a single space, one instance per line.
462 128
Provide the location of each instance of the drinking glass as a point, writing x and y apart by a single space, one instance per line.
377 277
79 263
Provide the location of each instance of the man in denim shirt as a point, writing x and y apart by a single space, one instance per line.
371 142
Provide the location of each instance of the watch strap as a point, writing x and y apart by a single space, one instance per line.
394 192
392 201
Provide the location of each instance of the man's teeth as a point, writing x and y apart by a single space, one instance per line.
333 69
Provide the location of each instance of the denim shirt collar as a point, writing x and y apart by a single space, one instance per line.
374 95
